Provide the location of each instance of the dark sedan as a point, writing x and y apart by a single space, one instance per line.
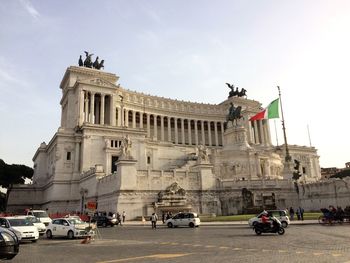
9 244
104 221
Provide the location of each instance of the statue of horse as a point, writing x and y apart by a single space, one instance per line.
242 93
96 63
88 61
234 114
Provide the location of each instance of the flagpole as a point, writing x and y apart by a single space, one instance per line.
308 132
288 158
276 131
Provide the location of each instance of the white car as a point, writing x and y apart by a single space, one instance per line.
281 215
184 219
41 214
67 227
22 225
36 222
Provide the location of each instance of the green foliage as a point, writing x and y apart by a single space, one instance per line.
11 174
341 174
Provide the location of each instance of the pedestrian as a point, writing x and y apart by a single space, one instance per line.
154 219
163 217
291 213
124 215
298 213
301 213
119 220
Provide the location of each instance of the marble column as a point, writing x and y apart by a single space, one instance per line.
141 120
102 110
256 133
203 132
189 132
222 133
209 132
182 131
112 111
155 127
86 114
169 129
126 118
162 128
134 119
196 131
148 125
176 133
216 134
92 108
81 107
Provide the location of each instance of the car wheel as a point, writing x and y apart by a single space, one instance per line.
281 231
284 224
49 234
170 225
191 224
70 234
34 240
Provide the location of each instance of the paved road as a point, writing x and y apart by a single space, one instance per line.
219 243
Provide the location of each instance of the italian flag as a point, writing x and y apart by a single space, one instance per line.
269 112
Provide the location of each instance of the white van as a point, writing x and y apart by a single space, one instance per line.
41 215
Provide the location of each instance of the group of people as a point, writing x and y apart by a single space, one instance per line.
337 213
299 212
154 218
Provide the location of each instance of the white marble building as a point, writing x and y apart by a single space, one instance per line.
172 144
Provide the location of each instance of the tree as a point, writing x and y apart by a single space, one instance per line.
11 174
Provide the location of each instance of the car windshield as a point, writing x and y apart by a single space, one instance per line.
33 219
41 214
20 222
75 221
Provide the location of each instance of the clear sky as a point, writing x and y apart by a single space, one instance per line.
181 49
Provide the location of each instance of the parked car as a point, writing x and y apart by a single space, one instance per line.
281 215
23 225
67 227
104 221
36 222
9 244
41 214
184 219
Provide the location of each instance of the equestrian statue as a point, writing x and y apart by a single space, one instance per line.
234 114
88 62
236 92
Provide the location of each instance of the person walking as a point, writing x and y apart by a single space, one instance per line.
154 219
123 215
119 220
301 213
291 213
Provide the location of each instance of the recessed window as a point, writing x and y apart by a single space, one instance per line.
69 156
148 159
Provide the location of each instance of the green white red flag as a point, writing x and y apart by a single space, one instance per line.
270 112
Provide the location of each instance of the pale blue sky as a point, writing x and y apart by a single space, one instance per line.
180 49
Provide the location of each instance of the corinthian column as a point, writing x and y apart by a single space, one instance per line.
102 121
92 108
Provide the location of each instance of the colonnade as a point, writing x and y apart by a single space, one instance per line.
97 108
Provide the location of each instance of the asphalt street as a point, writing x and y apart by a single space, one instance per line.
208 243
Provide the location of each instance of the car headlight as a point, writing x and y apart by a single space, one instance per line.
7 237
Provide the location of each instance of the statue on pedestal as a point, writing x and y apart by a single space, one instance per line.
234 113
202 154
126 147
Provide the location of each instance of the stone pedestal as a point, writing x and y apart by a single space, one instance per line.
126 174
206 175
235 138
288 169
